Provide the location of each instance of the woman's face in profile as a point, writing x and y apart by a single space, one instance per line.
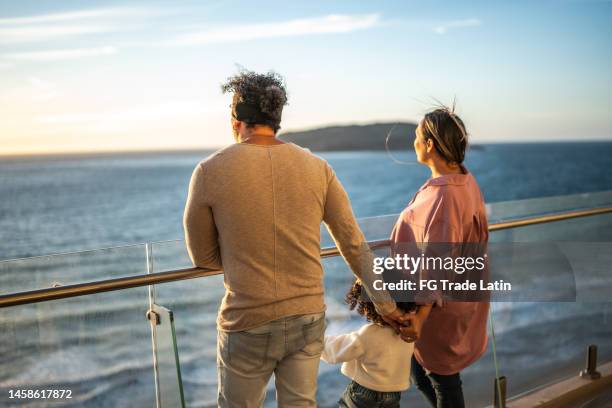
420 146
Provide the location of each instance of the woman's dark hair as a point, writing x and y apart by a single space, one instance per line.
258 98
448 133
357 298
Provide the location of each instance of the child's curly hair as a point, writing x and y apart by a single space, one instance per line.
357 298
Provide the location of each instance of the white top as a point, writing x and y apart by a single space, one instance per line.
374 356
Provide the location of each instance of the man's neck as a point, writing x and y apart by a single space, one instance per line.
259 138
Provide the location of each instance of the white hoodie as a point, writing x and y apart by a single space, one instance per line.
374 356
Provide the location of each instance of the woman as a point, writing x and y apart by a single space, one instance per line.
448 208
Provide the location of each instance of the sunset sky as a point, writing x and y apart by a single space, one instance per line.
108 75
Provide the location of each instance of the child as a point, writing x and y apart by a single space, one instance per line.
374 357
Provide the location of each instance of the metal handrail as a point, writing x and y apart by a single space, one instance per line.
549 218
88 288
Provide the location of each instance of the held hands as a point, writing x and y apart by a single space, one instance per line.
411 329
408 325
395 319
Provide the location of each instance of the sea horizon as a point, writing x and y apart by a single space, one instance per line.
196 149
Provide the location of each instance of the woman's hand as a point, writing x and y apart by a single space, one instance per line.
395 319
413 323
411 329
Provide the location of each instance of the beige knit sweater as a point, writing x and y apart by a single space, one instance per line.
256 211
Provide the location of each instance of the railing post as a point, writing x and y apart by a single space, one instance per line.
153 323
499 399
590 371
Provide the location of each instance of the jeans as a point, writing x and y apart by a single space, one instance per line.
441 391
358 396
289 347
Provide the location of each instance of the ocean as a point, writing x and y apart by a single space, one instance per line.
100 347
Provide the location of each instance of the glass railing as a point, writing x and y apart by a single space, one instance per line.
166 362
508 210
195 303
46 271
542 342
102 348
96 348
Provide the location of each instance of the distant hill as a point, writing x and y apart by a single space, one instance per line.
354 137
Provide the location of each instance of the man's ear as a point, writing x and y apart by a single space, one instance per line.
236 125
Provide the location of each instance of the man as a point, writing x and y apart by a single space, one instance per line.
255 209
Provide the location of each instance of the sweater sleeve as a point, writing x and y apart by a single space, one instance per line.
340 221
342 348
201 235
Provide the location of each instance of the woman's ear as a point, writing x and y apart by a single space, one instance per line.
430 145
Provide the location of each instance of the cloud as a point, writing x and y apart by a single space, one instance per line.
45 32
320 25
78 15
73 23
161 111
133 117
42 90
451 25
61 54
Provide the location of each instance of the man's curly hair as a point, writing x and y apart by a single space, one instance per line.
265 92
357 298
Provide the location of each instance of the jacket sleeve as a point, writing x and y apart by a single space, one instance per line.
201 235
342 348
340 221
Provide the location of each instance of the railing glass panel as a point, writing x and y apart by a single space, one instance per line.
194 303
166 361
25 274
542 342
507 210
98 347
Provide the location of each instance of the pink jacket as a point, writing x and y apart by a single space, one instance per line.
449 208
